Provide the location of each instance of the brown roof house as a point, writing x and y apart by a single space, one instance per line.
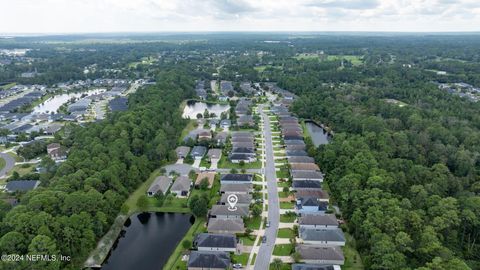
56 152
210 176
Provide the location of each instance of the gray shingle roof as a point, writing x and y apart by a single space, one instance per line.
161 183
225 225
321 220
312 267
223 210
21 185
182 183
306 184
320 253
322 234
236 177
215 240
209 259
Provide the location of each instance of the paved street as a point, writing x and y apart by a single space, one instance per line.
9 164
265 253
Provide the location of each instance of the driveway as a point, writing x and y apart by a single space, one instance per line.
196 163
265 253
9 164
182 169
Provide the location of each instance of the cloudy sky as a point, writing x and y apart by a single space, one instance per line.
74 16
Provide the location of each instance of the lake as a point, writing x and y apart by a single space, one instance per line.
54 103
194 107
147 241
317 133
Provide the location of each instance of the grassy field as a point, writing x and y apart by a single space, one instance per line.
283 194
309 56
262 68
285 233
283 183
253 223
283 250
175 262
354 59
287 218
286 205
190 126
7 86
22 169
353 261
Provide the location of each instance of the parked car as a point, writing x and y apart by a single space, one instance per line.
264 239
237 265
267 224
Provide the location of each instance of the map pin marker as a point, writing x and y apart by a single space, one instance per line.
232 200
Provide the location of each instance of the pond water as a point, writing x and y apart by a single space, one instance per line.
147 241
317 133
193 108
54 103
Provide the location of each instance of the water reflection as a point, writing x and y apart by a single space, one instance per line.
317 133
193 108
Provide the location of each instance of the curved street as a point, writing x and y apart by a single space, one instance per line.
9 164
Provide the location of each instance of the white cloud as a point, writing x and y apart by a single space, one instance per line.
65 16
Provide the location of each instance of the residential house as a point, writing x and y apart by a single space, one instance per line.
298 175
161 184
243 199
320 255
182 151
221 138
204 136
242 134
304 266
225 212
21 185
249 144
236 178
225 123
239 157
214 154
310 205
215 242
181 186
322 237
306 185
320 194
297 153
301 159
245 120
236 188
241 139
326 222
295 147
208 260
210 176
302 167
225 226
198 152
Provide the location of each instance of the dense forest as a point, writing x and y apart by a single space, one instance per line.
77 203
405 177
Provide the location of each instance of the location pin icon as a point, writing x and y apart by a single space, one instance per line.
232 200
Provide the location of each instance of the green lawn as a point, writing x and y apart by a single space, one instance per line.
284 266
253 223
286 205
283 194
7 86
242 258
175 259
2 163
283 183
247 240
190 126
131 202
354 59
285 233
284 218
353 261
309 56
224 163
283 250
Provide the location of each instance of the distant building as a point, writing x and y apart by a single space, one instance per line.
21 185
